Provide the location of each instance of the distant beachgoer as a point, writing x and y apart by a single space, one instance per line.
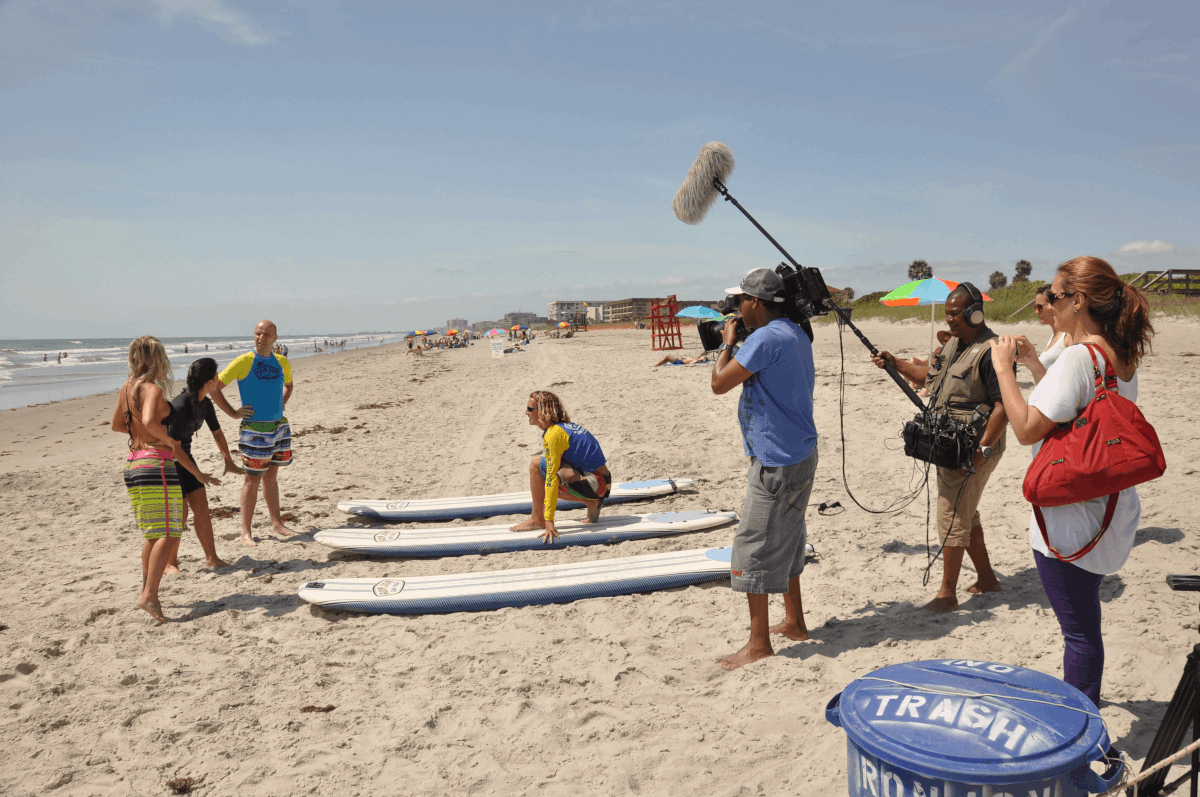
185 351
571 465
44 358
60 358
206 347
151 477
265 439
192 409
669 360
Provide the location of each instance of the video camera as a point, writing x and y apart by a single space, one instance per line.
805 296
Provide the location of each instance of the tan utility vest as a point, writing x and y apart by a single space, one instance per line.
957 387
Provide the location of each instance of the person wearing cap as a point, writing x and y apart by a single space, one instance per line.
775 368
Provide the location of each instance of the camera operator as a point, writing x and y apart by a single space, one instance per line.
960 379
775 368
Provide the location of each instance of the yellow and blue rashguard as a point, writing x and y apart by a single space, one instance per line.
571 445
260 383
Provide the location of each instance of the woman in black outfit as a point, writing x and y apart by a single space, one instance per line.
190 410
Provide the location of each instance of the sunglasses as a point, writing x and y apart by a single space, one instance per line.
531 409
1054 297
1039 307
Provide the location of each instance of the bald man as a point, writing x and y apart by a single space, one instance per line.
265 384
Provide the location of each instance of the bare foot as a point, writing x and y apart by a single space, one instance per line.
528 525
153 609
281 530
172 568
747 655
985 586
248 540
593 513
216 562
796 633
942 605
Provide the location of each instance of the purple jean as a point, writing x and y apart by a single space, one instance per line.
1074 595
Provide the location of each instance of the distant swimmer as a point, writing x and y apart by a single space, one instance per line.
265 440
572 465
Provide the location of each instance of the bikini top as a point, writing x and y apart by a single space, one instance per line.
166 422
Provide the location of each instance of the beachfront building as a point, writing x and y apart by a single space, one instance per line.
598 313
483 326
631 310
625 311
457 323
510 320
563 310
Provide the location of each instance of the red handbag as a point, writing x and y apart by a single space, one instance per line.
1108 448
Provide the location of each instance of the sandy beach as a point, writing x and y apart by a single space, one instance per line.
610 696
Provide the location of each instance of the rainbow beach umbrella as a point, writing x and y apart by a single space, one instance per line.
922 292
495 331
562 324
932 291
451 332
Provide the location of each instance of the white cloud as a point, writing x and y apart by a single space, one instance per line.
670 281
1021 61
1148 247
212 15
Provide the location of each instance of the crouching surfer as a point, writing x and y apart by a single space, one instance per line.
571 465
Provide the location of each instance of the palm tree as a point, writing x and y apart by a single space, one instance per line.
1023 269
998 280
919 270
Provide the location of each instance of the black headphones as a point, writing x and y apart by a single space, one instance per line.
973 312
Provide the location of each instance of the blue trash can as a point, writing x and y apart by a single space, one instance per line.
961 728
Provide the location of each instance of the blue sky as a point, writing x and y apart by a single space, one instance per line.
181 168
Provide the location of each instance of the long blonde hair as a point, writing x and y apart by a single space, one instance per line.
550 407
148 362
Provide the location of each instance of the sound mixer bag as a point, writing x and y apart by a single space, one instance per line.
1110 447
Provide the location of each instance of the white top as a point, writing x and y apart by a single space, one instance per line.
1068 386
1054 350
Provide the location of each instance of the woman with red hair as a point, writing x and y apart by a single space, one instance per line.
1091 305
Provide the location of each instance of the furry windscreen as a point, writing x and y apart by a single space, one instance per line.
698 193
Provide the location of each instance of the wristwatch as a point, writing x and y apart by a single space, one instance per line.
723 347
987 451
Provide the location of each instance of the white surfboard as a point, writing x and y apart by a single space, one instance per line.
466 508
467 540
530 586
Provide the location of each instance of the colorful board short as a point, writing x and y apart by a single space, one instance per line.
265 443
153 486
589 487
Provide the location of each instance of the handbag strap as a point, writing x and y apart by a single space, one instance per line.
1110 376
1109 511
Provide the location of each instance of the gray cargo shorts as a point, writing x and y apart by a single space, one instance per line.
768 548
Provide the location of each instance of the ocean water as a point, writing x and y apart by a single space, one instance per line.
32 373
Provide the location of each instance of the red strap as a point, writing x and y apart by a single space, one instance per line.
1109 511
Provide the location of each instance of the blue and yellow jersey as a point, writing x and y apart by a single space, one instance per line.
260 383
571 445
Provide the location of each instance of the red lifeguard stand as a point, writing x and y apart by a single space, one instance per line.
664 326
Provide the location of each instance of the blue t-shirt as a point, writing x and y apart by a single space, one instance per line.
776 408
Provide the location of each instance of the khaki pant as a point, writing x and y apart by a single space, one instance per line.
958 501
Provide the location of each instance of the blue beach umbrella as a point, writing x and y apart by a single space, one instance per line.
698 311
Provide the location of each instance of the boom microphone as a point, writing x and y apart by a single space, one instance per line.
704 183
699 190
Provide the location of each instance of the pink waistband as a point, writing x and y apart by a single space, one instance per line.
152 453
